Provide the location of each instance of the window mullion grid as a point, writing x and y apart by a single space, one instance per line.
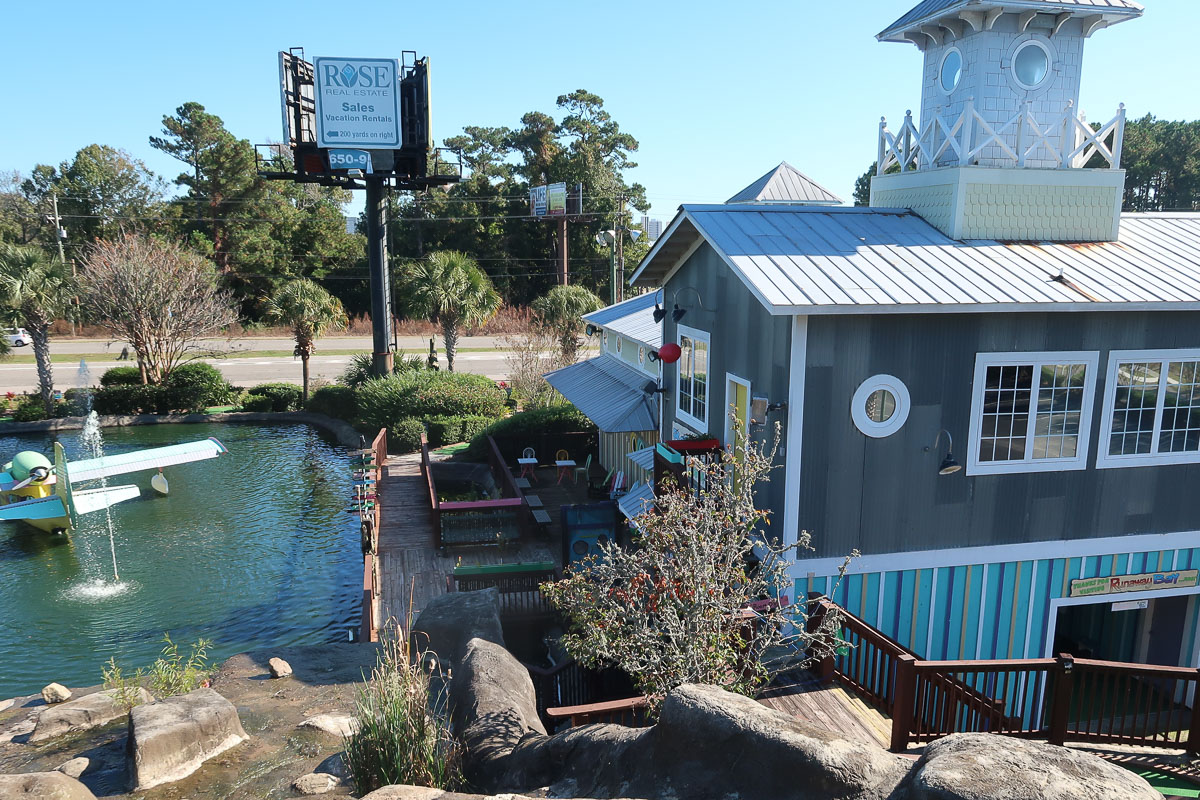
1035 387
1160 405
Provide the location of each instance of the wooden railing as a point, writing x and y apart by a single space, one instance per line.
566 684
519 587
1061 700
478 521
629 711
370 523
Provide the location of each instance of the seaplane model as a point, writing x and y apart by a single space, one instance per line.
35 491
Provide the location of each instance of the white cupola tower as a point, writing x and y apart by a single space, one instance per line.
1000 147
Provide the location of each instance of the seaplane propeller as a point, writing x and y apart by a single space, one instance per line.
36 475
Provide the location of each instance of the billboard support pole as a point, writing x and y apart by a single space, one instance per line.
381 320
562 251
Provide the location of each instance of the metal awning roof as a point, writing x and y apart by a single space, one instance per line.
633 318
638 500
812 260
610 393
644 458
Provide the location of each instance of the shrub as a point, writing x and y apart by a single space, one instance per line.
171 674
122 399
443 430
29 409
121 376
403 734
339 402
283 396
358 371
257 403
427 394
404 435
565 418
472 426
197 386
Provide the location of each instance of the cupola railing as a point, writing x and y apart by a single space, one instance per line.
1067 142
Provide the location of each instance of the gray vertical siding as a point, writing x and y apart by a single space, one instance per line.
746 341
884 495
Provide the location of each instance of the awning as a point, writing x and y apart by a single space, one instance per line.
644 458
611 394
638 500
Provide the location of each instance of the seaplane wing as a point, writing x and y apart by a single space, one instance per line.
51 507
89 500
93 468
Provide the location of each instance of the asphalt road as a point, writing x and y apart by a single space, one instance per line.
245 371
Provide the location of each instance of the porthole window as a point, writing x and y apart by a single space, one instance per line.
950 72
880 406
1031 65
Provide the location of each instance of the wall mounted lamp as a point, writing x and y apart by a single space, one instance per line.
652 355
948 466
652 388
591 330
677 312
760 407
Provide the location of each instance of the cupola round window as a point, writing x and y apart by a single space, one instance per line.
1031 64
951 70
880 406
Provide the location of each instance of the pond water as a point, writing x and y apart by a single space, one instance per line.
252 549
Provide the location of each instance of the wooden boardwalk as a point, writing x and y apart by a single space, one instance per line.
829 707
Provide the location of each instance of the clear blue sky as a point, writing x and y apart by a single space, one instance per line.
716 93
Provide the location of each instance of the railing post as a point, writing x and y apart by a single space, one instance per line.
968 132
907 129
1068 129
1061 709
1119 137
1193 742
882 150
1021 117
905 696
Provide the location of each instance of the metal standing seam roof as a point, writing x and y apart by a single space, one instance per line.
610 393
638 500
806 260
644 458
786 184
925 11
633 318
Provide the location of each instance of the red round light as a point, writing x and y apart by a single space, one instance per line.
669 353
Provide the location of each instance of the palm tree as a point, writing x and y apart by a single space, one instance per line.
561 310
309 311
36 288
449 289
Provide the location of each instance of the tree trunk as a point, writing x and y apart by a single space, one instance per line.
450 338
304 390
39 331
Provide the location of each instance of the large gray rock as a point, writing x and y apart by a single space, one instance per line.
450 621
315 783
56 693
494 707
43 786
985 766
169 740
279 668
341 725
75 767
81 714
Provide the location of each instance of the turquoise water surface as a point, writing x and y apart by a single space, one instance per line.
252 549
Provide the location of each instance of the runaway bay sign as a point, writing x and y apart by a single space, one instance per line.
1116 584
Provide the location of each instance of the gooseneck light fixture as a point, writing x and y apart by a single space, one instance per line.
948 466
678 312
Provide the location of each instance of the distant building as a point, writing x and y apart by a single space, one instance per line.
351 224
652 227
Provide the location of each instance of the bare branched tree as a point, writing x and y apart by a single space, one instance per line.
530 356
696 598
161 298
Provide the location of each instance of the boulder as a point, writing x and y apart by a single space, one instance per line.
341 725
450 621
84 713
44 786
56 693
494 707
279 668
75 767
315 783
985 766
169 740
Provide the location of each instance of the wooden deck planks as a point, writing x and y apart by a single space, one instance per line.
830 708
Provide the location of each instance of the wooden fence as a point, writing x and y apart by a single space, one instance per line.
370 522
519 587
478 521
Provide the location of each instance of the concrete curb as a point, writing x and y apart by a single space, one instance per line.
346 435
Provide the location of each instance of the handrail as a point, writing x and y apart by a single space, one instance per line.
371 525
628 711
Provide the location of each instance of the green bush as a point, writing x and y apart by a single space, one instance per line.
404 435
257 403
565 418
121 376
473 426
425 395
358 371
29 409
339 402
120 399
443 430
283 396
197 385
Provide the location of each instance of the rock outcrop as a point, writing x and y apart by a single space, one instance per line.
75 767
81 714
984 766
450 621
169 740
43 786
340 725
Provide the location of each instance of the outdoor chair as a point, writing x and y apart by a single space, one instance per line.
587 465
528 462
618 486
602 488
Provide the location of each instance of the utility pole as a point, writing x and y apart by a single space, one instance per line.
620 228
562 251
59 235
381 292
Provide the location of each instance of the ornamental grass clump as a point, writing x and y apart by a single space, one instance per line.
403 734
698 596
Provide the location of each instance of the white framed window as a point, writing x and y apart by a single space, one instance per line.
880 406
691 390
1031 412
1031 64
1151 409
950 70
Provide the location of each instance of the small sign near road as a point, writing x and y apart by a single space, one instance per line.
358 102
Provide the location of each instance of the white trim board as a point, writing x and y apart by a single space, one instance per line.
794 434
1059 602
1001 553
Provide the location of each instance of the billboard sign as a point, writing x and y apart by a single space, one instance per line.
1117 584
537 201
556 199
350 159
358 102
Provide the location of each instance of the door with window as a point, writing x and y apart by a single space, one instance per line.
737 404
